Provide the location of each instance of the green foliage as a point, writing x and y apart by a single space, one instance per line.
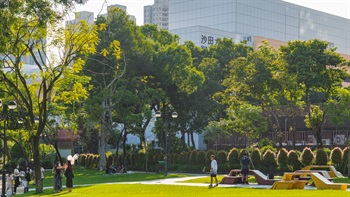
282 159
293 160
193 157
265 142
321 157
200 158
336 156
233 158
265 148
16 152
307 156
269 161
82 159
343 167
221 157
176 158
256 158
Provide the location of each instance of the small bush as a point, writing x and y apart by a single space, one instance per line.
193 157
269 161
293 160
232 158
200 160
343 167
307 156
321 157
336 156
221 157
256 158
176 158
282 159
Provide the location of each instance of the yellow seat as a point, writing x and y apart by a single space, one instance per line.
322 183
283 185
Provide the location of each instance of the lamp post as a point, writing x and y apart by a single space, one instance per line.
11 105
173 115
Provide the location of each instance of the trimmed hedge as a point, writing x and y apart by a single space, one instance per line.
307 156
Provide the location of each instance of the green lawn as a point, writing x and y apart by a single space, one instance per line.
183 191
83 176
88 176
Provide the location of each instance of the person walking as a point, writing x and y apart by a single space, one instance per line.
9 184
245 166
42 175
69 175
16 178
56 170
213 171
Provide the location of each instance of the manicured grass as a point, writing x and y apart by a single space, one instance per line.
131 190
94 179
88 176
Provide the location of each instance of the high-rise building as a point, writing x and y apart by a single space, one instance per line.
83 15
158 14
122 7
275 21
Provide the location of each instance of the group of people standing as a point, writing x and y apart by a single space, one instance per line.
57 171
18 178
245 167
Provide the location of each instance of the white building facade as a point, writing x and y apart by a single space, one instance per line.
255 20
158 14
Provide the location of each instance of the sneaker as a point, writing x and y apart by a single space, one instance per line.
210 185
216 185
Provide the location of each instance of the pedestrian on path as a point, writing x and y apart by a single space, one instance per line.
56 171
245 166
16 178
9 184
213 171
69 175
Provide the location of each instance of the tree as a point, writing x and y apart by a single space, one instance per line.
318 70
32 29
252 92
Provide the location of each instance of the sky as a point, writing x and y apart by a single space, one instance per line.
135 7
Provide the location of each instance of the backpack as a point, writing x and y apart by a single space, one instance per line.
245 160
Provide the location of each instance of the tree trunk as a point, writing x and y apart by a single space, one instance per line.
37 166
192 140
183 142
117 148
319 137
103 137
124 148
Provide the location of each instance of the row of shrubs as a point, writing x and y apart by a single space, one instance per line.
265 159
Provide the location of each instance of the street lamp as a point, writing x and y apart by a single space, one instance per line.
11 105
173 115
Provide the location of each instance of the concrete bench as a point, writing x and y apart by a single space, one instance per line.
231 179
